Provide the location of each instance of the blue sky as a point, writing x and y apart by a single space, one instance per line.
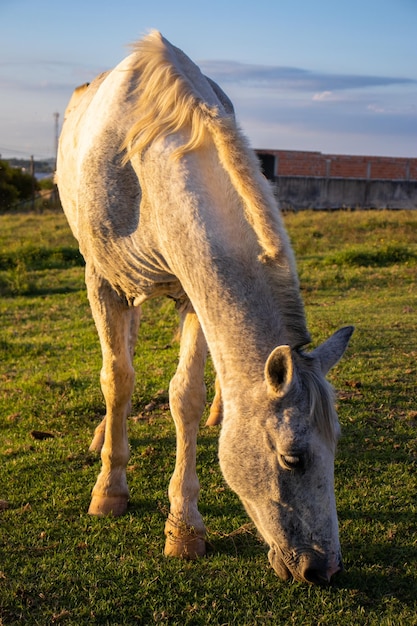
337 77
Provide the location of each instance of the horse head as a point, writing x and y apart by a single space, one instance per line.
281 461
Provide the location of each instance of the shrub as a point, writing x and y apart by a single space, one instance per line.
15 186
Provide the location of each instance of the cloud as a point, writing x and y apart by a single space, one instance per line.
274 76
41 75
277 106
381 109
361 121
298 108
324 96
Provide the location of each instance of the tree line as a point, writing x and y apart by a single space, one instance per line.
18 186
15 186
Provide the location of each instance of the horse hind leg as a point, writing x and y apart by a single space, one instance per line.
184 529
97 442
98 439
114 321
216 410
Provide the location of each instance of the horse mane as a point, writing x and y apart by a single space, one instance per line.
321 398
167 103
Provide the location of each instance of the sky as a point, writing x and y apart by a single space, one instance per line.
334 77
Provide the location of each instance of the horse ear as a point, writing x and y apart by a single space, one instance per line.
279 371
331 351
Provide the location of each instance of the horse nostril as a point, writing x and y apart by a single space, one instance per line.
336 569
316 576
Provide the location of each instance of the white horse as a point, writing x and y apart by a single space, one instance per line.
166 198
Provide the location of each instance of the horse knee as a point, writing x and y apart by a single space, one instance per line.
117 382
186 400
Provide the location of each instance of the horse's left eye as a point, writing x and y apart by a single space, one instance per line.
292 462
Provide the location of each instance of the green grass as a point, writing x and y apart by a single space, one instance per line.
60 566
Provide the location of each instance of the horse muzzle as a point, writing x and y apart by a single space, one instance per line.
311 567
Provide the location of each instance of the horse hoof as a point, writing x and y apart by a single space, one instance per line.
190 547
214 419
216 414
108 505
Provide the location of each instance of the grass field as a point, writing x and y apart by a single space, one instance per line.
60 566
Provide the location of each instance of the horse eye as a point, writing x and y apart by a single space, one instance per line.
292 462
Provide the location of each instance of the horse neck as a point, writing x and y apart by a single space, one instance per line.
240 319
239 341
208 244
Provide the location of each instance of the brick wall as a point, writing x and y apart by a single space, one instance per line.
317 164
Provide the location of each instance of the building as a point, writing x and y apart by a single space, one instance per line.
313 180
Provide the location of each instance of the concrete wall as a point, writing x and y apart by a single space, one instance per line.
297 192
324 181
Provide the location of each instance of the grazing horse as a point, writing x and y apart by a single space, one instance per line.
165 197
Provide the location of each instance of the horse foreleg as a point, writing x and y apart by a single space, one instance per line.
99 433
184 529
114 321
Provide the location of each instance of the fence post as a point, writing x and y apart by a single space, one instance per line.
32 173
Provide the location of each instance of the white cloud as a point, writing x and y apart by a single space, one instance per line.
376 108
324 95
406 109
275 76
278 107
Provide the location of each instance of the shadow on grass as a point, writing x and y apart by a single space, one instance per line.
9 290
373 587
376 566
376 570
